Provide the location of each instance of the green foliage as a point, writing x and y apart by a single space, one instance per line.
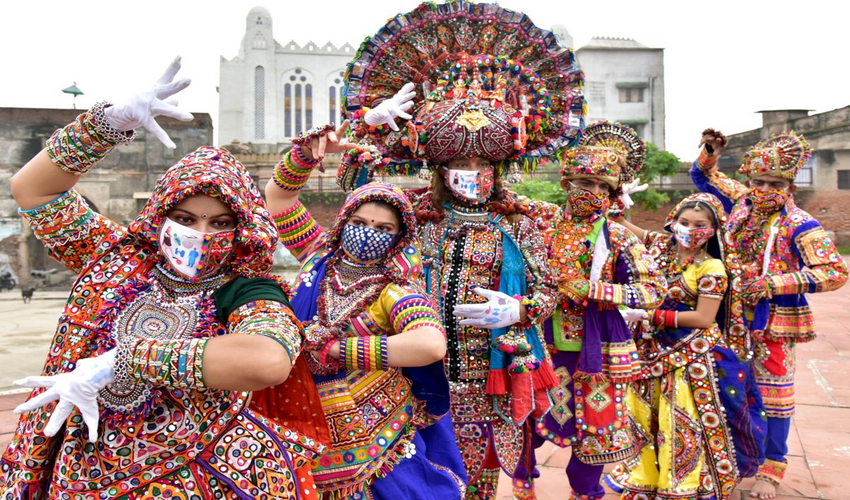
658 164
541 190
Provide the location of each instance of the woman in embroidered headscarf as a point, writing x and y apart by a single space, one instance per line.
490 92
144 392
694 401
375 343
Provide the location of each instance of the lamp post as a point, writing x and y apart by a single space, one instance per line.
74 91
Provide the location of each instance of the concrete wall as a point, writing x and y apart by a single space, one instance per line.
116 187
827 133
605 67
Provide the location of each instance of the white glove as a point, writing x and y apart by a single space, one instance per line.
499 311
630 188
396 106
142 108
633 315
77 388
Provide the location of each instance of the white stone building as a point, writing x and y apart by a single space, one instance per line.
624 82
271 91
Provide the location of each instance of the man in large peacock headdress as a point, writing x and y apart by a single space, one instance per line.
481 94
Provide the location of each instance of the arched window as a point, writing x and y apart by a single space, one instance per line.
333 105
308 106
287 108
259 102
334 82
298 107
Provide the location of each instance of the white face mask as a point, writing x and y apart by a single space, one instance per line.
192 253
469 184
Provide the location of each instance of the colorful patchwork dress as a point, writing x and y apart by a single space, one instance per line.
800 259
592 348
687 376
161 438
390 434
464 250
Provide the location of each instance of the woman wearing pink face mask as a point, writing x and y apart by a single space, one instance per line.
145 391
690 370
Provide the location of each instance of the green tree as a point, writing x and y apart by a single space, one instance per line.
658 164
547 191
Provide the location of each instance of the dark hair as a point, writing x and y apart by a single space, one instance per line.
394 210
699 206
500 201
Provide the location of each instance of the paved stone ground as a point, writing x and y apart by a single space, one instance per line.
819 456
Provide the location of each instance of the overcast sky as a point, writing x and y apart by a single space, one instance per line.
724 59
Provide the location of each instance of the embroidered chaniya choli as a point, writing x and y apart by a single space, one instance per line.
692 395
387 439
160 436
786 252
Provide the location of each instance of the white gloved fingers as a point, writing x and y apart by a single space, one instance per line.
171 101
170 72
407 88
60 416
35 381
406 106
42 399
640 187
91 417
627 200
163 108
471 310
495 295
170 89
153 127
401 114
392 124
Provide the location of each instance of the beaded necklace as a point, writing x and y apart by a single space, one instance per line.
337 301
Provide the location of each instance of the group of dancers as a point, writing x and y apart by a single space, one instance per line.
432 337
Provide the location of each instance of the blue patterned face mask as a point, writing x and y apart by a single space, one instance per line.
366 244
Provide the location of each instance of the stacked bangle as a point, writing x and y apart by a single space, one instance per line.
169 363
665 319
368 353
76 147
294 169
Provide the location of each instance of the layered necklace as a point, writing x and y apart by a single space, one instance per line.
347 289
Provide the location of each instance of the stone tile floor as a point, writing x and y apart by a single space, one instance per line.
819 445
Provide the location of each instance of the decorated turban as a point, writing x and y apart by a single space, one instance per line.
781 155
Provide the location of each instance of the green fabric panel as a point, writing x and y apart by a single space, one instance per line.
238 292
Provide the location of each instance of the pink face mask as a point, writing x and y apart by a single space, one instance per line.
194 254
692 238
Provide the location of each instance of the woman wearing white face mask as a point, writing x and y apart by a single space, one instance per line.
145 392
693 390
375 343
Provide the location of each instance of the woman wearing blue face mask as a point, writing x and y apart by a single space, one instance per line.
375 342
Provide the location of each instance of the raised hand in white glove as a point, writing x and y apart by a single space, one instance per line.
142 108
633 315
630 188
499 311
77 388
396 106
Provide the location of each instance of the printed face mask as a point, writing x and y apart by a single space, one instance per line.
366 244
692 238
768 202
584 203
194 254
470 185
